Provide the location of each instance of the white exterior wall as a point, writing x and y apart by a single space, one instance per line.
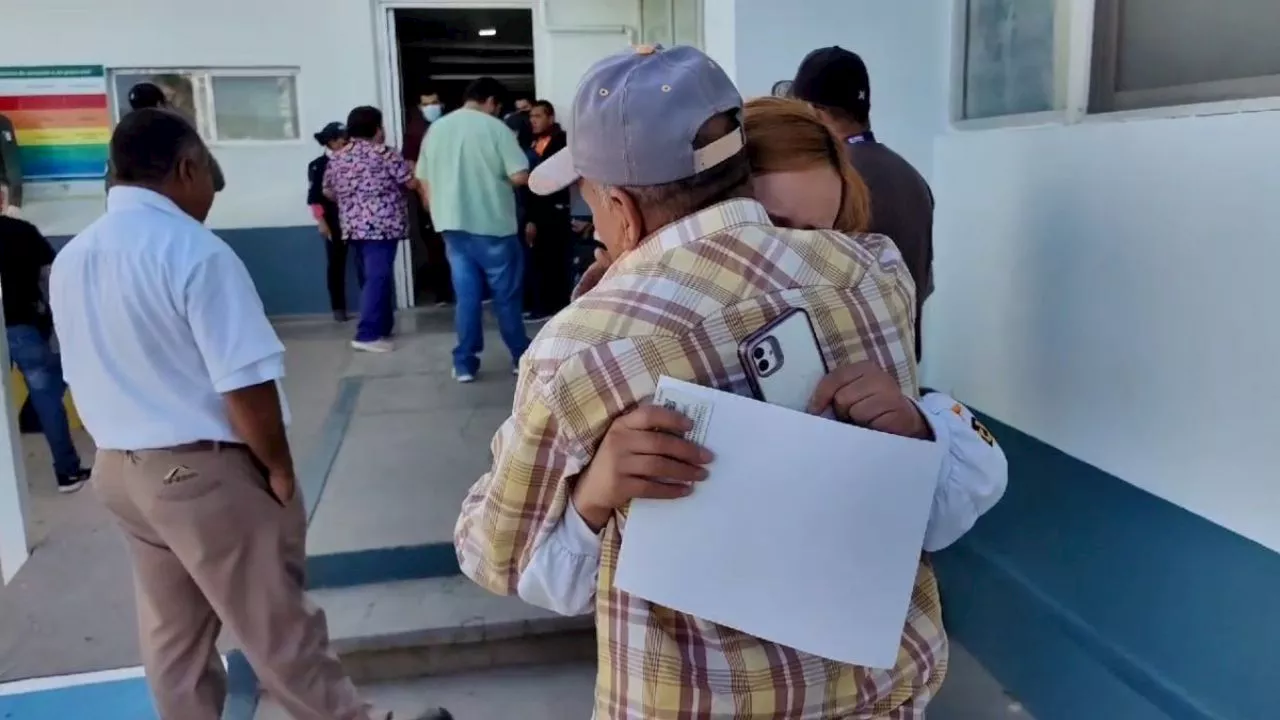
1104 286
335 43
902 41
1109 288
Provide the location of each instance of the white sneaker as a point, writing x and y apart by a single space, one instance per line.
464 378
373 346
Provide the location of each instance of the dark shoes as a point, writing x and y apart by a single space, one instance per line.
68 484
437 714
340 316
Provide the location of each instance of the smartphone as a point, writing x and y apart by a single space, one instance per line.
784 361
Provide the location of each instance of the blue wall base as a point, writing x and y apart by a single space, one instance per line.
1090 599
379 565
288 266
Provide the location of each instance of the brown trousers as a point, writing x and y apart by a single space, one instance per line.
210 545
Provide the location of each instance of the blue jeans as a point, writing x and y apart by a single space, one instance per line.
477 261
41 368
377 297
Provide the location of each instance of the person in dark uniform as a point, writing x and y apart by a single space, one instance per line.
325 211
836 83
432 272
520 127
546 227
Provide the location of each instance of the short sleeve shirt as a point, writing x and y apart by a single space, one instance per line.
467 161
368 182
158 318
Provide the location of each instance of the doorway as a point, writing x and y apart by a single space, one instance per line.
440 51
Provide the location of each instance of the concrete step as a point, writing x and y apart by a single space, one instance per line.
552 692
564 692
417 628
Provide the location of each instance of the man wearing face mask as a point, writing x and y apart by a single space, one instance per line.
418 123
656 147
432 109
435 271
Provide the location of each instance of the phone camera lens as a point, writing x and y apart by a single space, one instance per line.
763 365
759 353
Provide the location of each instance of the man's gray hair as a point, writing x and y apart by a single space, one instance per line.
722 182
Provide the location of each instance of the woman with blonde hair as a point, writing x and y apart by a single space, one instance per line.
801 173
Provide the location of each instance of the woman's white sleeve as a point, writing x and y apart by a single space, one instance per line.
561 575
974 471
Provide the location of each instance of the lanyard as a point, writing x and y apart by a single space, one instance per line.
866 136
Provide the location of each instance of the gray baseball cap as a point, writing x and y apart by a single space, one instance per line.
635 117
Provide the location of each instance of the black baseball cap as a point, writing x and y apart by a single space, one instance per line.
146 95
835 78
331 132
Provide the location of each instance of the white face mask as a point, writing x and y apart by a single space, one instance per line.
432 112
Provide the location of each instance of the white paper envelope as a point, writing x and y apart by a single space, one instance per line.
807 533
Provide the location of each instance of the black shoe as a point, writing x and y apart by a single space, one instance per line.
68 484
437 714
340 316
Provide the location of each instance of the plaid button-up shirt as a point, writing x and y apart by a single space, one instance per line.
679 305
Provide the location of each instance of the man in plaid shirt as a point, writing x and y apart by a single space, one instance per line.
656 148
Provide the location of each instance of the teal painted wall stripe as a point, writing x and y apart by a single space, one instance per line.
379 565
1092 599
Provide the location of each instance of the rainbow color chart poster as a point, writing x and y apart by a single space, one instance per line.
61 117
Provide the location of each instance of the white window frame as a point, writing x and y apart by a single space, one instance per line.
1078 77
206 112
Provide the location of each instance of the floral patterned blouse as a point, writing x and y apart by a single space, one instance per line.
368 181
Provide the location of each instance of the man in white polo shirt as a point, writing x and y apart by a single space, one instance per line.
176 370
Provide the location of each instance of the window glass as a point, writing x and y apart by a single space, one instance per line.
179 87
1166 43
255 108
1154 53
1011 57
222 104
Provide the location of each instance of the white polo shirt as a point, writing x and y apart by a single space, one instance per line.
157 317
